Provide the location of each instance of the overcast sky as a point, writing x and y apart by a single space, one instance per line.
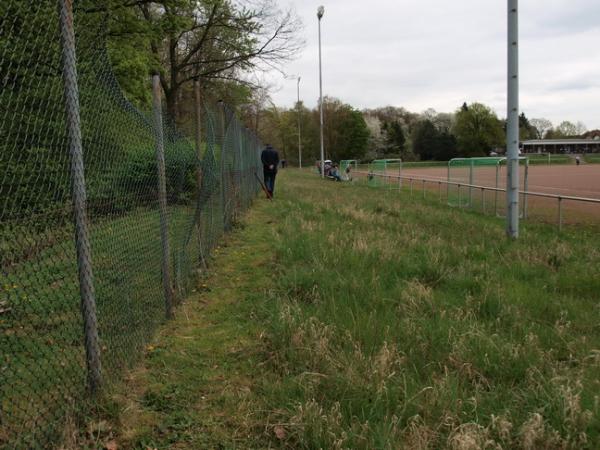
440 53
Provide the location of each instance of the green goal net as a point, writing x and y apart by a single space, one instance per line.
381 172
470 180
347 166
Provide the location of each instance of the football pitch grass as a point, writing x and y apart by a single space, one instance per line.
341 316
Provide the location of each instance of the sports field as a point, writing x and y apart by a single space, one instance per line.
578 181
563 180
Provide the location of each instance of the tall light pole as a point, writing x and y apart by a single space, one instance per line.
299 128
320 13
512 129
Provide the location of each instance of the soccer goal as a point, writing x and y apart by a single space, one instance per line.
346 168
380 169
489 172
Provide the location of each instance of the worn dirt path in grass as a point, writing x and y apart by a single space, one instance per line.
195 389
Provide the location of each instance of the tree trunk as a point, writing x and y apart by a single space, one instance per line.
171 97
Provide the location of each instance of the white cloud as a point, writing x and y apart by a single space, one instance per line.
440 53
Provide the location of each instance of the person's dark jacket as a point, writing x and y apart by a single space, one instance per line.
269 157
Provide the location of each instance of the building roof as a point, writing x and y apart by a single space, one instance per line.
561 142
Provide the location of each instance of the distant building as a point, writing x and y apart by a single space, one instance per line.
588 145
594 134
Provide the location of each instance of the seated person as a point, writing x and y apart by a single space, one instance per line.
335 173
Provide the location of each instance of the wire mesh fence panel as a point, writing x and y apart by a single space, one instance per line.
44 367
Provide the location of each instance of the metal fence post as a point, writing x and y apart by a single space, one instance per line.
512 119
526 186
84 257
198 142
198 130
560 214
222 132
483 200
162 196
471 182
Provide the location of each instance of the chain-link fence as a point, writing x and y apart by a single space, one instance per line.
107 215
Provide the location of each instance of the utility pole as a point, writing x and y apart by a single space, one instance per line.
299 128
320 13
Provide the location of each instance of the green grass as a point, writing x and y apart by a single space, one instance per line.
592 158
342 316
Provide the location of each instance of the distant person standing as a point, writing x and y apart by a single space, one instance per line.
577 160
270 161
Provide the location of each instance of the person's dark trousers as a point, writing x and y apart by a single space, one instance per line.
270 181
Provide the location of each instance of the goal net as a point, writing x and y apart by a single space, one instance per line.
468 176
381 172
347 166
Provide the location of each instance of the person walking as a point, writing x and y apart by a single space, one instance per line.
270 161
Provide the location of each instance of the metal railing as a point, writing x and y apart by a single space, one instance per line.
526 194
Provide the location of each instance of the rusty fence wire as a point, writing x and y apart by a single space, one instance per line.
108 215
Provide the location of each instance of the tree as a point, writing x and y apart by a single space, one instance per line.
346 134
208 40
431 143
566 129
478 130
394 138
526 130
541 127
425 140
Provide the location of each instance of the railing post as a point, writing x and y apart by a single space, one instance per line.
526 186
162 195
79 197
471 180
560 214
483 201
496 192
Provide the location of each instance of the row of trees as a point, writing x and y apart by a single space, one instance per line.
389 132
222 43
473 130
346 135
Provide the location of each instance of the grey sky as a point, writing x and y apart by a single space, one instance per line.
439 53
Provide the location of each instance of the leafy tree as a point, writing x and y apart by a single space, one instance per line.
478 130
565 129
425 140
394 138
431 143
209 40
345 131
526 130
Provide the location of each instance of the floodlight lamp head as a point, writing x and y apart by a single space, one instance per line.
320 12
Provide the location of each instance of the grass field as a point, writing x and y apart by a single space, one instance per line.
340 316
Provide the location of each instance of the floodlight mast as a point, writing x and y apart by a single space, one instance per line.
299 128
512 129
320 13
